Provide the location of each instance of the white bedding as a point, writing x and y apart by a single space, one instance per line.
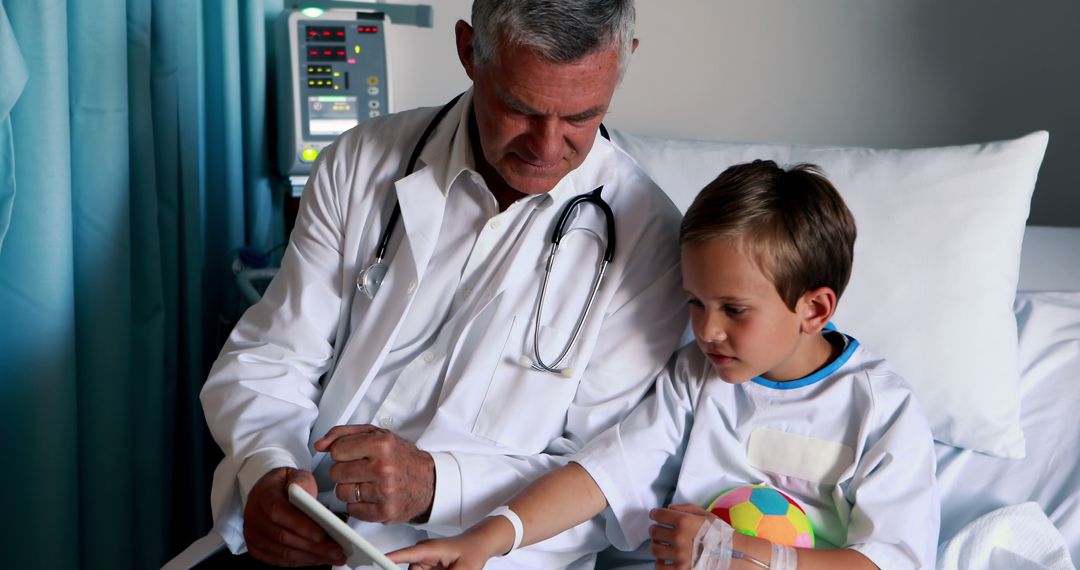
975 484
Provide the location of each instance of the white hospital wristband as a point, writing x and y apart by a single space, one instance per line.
519 529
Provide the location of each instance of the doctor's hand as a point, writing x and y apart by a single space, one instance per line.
278 533
673 537
380 477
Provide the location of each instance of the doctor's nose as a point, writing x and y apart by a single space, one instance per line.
545 139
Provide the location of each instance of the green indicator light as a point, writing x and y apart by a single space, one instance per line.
312 12
309 154
332 99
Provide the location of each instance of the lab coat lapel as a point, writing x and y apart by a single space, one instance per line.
422 206
423 203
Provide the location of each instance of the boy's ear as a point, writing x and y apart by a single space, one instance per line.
816 307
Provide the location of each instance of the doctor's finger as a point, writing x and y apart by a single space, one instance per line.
337 432
375 444
286 524
363 492
283 548
376 512
286 535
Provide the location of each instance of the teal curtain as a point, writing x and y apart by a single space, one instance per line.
133 164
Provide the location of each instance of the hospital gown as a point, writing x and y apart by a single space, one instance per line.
849 443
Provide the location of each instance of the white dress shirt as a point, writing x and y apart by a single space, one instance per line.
436 356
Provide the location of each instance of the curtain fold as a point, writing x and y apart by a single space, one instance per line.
139 132
37 300
12 81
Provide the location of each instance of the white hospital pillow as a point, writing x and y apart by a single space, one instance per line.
936 262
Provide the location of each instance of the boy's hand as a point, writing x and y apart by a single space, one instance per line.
472 549
447 553
673 537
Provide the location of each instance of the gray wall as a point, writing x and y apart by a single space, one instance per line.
887 73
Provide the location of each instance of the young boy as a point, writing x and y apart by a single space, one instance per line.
769 393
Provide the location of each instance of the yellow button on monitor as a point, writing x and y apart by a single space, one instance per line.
309 154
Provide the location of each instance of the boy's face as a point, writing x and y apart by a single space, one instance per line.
740 322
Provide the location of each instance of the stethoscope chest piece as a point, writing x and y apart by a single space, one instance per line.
370 279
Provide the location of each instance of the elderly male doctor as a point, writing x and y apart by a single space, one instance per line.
417 411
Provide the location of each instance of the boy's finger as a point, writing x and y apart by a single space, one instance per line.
665 516
688 508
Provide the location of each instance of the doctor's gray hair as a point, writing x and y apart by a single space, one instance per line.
562 31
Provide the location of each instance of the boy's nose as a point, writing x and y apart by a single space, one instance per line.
712 332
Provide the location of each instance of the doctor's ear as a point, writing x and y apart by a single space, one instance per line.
815 307
463 34
634 45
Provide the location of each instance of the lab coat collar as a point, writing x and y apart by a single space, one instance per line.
448 152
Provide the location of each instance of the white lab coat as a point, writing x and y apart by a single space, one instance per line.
300 360
849 443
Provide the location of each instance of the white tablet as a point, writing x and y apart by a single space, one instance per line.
359 551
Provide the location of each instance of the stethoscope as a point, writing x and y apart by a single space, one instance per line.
371 277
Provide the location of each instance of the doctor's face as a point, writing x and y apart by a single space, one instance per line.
537 119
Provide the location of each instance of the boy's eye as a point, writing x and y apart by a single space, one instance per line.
694 303
735 310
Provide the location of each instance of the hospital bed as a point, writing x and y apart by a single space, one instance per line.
997 512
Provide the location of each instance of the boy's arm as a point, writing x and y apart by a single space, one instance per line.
553 503
672 541
808 559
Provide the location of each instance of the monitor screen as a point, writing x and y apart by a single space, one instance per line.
331 114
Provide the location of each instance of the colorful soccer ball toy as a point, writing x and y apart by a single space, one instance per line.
758 510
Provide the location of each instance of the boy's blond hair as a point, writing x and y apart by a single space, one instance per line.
793 223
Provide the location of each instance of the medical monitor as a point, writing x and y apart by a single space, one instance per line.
334 73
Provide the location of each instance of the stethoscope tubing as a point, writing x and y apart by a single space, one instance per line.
384 239
369 279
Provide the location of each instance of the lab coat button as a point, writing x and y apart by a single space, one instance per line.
386 422
429 356
495 224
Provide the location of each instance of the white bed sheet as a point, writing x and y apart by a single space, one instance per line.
974 484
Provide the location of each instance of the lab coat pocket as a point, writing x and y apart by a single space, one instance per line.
524 409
